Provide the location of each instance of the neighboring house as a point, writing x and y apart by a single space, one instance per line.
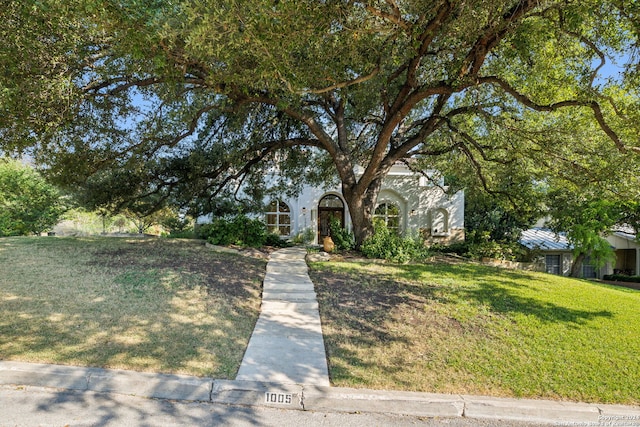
408 202
554 249
627 250
556 253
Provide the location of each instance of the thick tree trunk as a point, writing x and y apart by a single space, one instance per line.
577 265
362 221
361 207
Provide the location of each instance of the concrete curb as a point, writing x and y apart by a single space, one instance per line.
142 384
311 398
394 402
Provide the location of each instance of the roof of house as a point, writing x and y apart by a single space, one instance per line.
625 232
624 235
545 239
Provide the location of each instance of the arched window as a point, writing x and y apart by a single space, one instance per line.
390 214
331 201
279 218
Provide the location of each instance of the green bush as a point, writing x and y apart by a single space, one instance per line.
238 230
497 250
203 231
304 237
481 245
28 204
342 238
273 239
387 244
176 225
621 278
460 248
187 234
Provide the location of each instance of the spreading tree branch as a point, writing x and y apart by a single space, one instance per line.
528 102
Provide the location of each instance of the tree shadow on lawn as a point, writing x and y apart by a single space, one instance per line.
366 310
218 272
133 345
140 319
354 315
361 308
502 300
498 289
458 271
374 295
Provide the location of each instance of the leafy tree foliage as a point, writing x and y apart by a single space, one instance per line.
188 99
498 213
585 218
28 204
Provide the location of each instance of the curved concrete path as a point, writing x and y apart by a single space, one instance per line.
286 345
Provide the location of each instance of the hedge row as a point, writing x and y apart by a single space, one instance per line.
621 278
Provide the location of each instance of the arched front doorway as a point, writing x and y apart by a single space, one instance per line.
330 206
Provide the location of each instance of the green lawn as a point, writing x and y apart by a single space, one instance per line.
466 328
173 306
158 305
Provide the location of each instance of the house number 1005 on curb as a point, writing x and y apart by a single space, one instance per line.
281 398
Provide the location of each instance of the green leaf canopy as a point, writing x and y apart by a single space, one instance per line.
191 98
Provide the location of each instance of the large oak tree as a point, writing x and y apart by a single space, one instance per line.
192 98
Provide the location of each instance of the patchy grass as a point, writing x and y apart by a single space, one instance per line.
159 305
465 328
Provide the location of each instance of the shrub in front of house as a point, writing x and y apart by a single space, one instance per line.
272 239
388 244
239 230
178 227
342 238
480 244
497 250
621 278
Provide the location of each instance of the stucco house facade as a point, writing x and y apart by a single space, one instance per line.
408 202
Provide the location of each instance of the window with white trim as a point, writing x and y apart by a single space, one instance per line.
278 218
390 214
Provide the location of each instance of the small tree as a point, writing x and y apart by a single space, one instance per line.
28 204
584 219
144 215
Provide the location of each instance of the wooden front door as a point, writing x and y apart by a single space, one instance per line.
330 206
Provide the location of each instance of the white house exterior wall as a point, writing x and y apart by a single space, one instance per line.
621 241
415 198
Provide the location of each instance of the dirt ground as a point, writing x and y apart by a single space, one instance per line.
230 276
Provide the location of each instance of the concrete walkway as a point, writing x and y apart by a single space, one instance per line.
286 346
